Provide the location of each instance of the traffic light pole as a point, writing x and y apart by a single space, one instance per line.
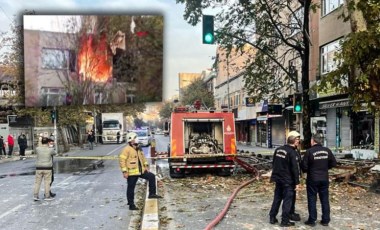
55 130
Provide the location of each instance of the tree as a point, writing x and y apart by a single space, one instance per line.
197 90
358 70
278 30
166 110
13 60
142 61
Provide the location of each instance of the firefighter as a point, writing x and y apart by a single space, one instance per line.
285 174
133 164
293 215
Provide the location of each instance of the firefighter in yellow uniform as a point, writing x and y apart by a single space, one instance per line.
133 164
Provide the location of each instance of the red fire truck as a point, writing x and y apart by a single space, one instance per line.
201 139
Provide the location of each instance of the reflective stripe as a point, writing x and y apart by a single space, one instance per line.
122 156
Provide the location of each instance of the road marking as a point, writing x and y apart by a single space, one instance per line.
64 181
122 146
12 210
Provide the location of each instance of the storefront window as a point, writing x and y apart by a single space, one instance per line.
363 130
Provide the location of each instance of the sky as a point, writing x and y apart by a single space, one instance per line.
183 48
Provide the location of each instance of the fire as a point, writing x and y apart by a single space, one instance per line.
93 59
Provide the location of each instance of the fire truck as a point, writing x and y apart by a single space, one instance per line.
201 139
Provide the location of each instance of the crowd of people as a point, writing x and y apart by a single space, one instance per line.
288 166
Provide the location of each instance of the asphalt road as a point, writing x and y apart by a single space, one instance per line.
87 197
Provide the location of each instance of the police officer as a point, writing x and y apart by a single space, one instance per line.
285 174
133 164
316 163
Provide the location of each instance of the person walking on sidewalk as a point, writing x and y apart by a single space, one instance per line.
285 174
23 144
134 165
11 143
44 167
2 148
316 163
91 139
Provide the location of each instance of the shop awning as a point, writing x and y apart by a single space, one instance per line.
264 118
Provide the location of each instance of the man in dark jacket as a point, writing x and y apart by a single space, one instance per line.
285 174
23 144
316 163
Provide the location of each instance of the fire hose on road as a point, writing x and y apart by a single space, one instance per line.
228 204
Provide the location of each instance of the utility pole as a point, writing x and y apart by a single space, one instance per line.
55 130
95 130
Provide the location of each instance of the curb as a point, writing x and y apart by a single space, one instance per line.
150 219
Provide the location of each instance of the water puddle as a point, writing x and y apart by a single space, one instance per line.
75 166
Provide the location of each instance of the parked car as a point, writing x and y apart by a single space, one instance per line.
143 137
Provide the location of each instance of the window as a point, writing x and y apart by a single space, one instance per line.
6 91
52 96
237 98
330 5
327 56
55 59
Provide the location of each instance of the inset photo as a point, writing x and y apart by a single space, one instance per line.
92 59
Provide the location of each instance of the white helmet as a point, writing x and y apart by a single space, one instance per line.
294 134
131 136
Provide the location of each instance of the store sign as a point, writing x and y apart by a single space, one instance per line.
334 104
249 101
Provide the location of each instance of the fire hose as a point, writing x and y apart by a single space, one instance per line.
220 216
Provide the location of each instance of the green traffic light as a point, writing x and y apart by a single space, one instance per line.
297 108
209 38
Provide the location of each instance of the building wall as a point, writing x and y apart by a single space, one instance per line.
332 28
35 76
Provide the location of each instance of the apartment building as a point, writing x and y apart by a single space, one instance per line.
333 116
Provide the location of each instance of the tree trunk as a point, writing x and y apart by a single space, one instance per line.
305 79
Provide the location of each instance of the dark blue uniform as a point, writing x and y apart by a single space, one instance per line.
285 174
316 163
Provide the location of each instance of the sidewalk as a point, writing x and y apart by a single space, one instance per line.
15 156
254 149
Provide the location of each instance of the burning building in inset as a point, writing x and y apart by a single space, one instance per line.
88 66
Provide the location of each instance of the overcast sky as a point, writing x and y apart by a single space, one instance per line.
183 48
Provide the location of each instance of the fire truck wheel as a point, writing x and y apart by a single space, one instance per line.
224 172
176 174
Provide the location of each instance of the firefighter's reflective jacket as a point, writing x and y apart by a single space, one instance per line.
129 159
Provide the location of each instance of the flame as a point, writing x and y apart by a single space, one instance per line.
93 59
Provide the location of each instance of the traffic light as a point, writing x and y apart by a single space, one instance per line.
297 103
54 115
208 29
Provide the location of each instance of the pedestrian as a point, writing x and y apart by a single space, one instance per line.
11 143
23 144
293 215
118 137
51 145
134 165
316 163
2 147
91 139
285 174
44 166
